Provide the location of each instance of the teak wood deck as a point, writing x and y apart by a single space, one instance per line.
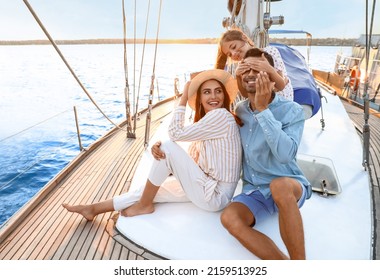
45 230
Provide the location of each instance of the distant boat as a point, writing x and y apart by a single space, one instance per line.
337 219
348 77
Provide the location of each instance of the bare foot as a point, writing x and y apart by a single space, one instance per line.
84 210
137 209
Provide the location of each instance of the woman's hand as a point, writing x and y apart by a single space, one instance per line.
260 65
242 68
263 65
157 152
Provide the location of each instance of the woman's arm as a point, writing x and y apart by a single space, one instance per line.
213 125
279 64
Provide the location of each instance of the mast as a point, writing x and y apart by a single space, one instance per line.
253 18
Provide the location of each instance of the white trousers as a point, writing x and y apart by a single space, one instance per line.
191 183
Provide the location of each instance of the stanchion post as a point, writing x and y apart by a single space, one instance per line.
78 132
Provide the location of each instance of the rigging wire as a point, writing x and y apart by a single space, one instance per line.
85 90
141 67
134 63
69 140
37 162
149 113
366 127
130 133
30 127
66 63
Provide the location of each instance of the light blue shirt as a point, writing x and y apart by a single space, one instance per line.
270 142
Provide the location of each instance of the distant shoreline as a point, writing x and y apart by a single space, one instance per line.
294 42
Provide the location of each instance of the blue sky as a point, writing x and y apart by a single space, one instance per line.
84 19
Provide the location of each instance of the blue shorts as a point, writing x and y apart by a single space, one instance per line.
262 207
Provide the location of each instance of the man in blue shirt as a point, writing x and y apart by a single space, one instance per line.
272 180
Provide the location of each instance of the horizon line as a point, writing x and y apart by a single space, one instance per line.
210 40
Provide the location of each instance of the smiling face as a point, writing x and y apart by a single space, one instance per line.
235 49
211 95
249 77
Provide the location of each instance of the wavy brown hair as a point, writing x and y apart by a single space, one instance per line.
200 111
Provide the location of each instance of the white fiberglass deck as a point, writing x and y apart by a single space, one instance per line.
336 227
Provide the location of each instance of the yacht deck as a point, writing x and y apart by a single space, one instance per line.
45 230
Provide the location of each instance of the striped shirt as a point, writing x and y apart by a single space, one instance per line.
216 143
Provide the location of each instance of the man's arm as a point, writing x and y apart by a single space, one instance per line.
283 136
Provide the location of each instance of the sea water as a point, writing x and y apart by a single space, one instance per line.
38 93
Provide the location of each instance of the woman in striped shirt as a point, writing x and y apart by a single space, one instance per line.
209 173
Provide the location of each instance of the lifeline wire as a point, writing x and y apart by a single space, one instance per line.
66 63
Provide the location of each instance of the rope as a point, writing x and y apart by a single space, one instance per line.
148 118
141 67
130 134
233 12
66 63
134 63
260 36
261 31
236 20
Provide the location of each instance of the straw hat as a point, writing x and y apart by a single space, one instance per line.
215 74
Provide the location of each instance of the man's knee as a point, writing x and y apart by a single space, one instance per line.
235 216
283 191
226 217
